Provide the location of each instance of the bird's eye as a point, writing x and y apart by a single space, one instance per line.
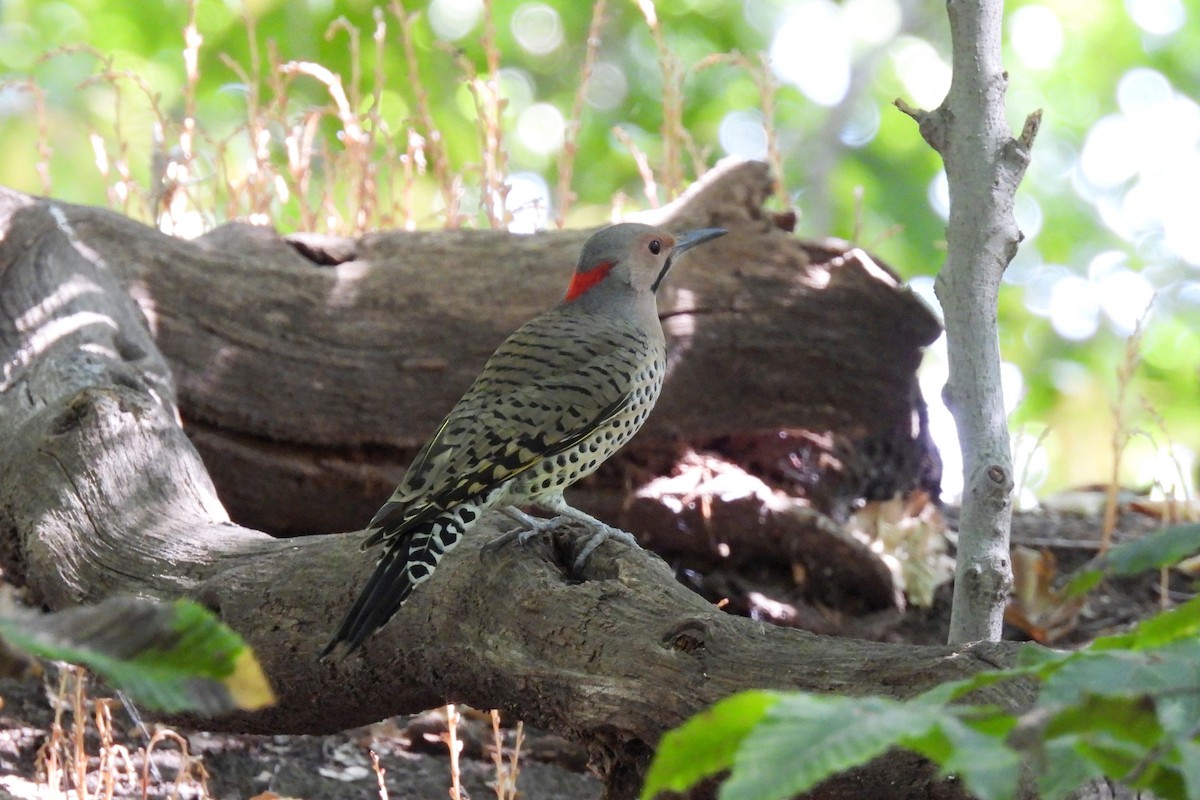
655 246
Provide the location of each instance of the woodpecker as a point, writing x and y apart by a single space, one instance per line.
558 397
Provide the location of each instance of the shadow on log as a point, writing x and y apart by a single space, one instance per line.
103 493
310 370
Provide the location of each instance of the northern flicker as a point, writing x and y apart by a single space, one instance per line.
558 397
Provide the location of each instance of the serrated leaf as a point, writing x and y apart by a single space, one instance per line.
1161 781
1181 622
1188 753
1100 735
1126 673
1128 720
1159 549
1061 769
705 744
955 690
806 738
977 754
167 656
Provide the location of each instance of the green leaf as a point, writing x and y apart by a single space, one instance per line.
955 690
1159 549
1061 769
706 743
1188 755
167 656
1180 623
1128 673
806 738
1114 733
975 751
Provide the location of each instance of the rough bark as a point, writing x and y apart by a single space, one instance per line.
102 493
984 166
307 388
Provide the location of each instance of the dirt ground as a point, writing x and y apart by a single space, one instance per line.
412 751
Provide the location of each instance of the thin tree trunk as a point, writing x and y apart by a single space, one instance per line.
984 165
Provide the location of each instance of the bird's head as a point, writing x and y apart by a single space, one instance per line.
630 256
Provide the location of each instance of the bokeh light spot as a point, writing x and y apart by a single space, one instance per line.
1037 36
453 19
607 87
537 28
1142 88
1125 296
1158 17
862 126
939 194
873 21
741 133
1107 157
922 70
516 86
1074 308
528 201
811 50
541 128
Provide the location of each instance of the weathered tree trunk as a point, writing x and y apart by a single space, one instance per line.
101 491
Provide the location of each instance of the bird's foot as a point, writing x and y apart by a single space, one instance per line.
527 528
596 539
605 531
530 526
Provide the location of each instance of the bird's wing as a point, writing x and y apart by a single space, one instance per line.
543 392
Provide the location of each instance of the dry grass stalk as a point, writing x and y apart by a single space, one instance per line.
360 133
768 89
432 137
1027 462
123 190
1175 509
673 133
385 206
489 106
191 768
356 158
48 765
453 717
45 151
256 190
78 729
113 756
643 166
414 164
380 772
1180 509
566 160
760 72
62 762
1121 430
506 772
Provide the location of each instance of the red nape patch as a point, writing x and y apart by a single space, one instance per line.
582 281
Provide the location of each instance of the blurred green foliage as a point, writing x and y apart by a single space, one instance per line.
1124 708
1069 57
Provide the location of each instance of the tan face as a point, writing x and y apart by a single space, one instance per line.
650 253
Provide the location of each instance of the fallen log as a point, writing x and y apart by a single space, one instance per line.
103 493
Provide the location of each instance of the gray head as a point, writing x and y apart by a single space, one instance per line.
630 256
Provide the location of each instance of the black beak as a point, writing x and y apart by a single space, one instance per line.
684 242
